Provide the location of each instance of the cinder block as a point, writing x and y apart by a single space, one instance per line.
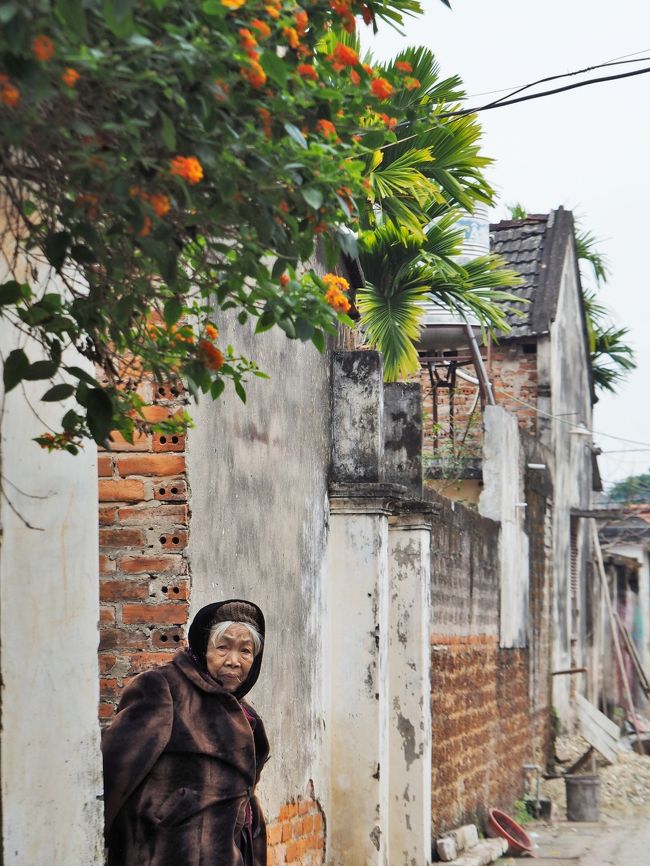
446 848
465 837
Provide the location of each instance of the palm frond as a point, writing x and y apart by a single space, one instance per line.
586 251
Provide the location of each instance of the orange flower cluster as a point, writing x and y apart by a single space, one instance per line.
302 20
267 121
43 48
254 74
403 66
248 42
355 78
389 122
263 29
212 357
334 296
211 332
381 88
411 83
342 9
306 70
187 167
326 128
232 4
343 56
9 93
284 280
159 202
272 9
291 35
70 77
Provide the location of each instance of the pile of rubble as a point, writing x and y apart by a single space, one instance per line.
625 785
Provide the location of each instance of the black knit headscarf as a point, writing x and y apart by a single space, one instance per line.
235 610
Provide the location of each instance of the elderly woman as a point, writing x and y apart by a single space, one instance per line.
184 753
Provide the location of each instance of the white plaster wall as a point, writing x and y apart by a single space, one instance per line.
52 811
258 528
572 474
502 499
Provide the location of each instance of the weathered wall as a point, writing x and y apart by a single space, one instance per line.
50 764
502 499
572 480
479 692
259 514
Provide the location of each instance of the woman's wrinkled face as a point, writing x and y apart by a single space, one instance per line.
232 657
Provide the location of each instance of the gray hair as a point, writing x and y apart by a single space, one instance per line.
217 630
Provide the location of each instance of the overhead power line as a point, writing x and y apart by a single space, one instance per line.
501 103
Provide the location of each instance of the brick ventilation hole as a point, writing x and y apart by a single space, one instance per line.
144 527
297 836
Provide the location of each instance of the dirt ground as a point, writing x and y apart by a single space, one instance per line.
620 838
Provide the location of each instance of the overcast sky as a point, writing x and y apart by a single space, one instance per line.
588 150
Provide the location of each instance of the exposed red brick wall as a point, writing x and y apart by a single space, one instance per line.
513 374
143 533
297 836
481 728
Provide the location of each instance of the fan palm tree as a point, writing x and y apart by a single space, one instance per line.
420 186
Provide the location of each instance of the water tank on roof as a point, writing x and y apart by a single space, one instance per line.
442 329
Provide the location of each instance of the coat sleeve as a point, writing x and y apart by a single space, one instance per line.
136 739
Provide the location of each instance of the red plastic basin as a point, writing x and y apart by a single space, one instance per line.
500 824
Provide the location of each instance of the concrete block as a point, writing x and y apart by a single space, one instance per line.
446 848
465 837
484 852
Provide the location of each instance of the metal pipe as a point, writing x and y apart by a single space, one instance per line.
480 366
570 671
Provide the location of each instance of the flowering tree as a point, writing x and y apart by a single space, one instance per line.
165 160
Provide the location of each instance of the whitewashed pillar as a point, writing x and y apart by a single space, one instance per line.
409 688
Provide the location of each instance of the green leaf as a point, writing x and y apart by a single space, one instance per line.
296 134
304 330
216 389
83 254
99 407
239 388
41 370
265 321
56 248
16 365
318 339
313 196
82 375
168 132
275 67
172 311
72 12
10 293
242 318
7 11
58 392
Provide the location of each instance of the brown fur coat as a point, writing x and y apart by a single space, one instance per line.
180 764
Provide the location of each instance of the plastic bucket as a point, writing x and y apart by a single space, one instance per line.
582 798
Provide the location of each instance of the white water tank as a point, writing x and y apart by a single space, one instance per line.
442 329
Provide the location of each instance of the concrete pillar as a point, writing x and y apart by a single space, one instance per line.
409 689
357 417
358 682
403 436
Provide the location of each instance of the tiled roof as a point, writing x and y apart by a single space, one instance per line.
522 245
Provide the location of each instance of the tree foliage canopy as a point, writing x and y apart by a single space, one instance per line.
163 161
634 488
